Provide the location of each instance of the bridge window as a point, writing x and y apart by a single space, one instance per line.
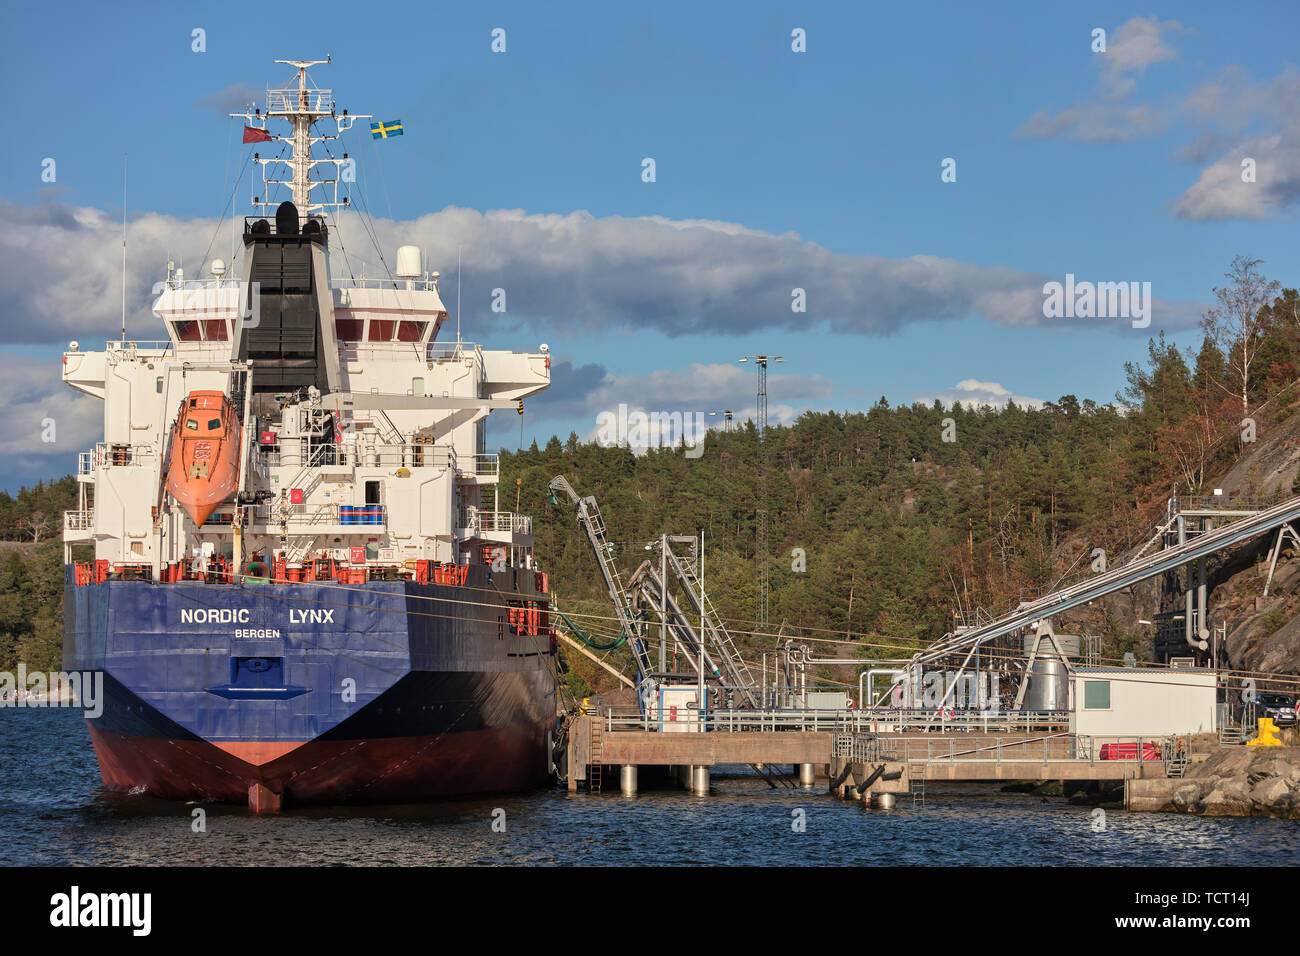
214 423
381 330
214 330
348 330
192 425
410 331
187 330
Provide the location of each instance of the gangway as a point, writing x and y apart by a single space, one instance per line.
1114 580
588 514
711 642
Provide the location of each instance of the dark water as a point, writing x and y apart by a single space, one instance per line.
53 811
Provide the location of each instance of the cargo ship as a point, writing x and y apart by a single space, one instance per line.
302 589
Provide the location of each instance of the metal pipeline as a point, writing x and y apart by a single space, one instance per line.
868 676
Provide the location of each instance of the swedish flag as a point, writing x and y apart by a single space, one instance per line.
385 130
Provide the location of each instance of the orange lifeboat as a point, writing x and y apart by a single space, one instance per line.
203 460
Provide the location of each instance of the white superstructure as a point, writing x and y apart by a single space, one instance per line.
379 459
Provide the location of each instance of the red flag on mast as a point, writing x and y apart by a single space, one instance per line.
254 135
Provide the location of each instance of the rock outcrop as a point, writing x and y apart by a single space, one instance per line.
1243 782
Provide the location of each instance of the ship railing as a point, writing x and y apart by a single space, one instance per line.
351 351
429 354
131 347
200 285
410 455
111 454
294 100
480 466
398 285
474 520
292 454
79 520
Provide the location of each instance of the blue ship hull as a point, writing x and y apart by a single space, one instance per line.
316 692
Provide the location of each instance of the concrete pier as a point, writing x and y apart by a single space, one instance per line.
690 757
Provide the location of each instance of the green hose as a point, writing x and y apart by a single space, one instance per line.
594 645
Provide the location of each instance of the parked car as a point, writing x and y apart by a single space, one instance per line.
1281 707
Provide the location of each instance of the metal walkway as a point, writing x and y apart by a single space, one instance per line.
588 515
1116 580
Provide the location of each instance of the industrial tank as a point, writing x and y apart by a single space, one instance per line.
1049 678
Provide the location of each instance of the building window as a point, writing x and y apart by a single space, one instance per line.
1096 695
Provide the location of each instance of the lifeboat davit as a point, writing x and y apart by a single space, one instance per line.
203 461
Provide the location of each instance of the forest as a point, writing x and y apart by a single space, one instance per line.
905 515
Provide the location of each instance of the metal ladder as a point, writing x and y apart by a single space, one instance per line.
916 781
596 744
773 778
389 432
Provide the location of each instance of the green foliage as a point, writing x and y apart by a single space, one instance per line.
46 502
31 607
1273 619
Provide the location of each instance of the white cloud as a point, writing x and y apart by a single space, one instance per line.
1234 116
1134 46
32 394
972 393
60 274
1110 116
1237 103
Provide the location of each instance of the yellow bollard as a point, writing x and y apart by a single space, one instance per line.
1267 734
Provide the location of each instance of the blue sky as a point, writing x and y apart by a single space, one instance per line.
1099 164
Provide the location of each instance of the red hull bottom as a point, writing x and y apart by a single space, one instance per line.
328 771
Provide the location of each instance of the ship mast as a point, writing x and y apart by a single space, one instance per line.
302 106
308 106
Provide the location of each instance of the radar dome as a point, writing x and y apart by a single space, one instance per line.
408 262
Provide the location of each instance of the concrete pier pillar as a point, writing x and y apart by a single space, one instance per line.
806 775
627 779
700 780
